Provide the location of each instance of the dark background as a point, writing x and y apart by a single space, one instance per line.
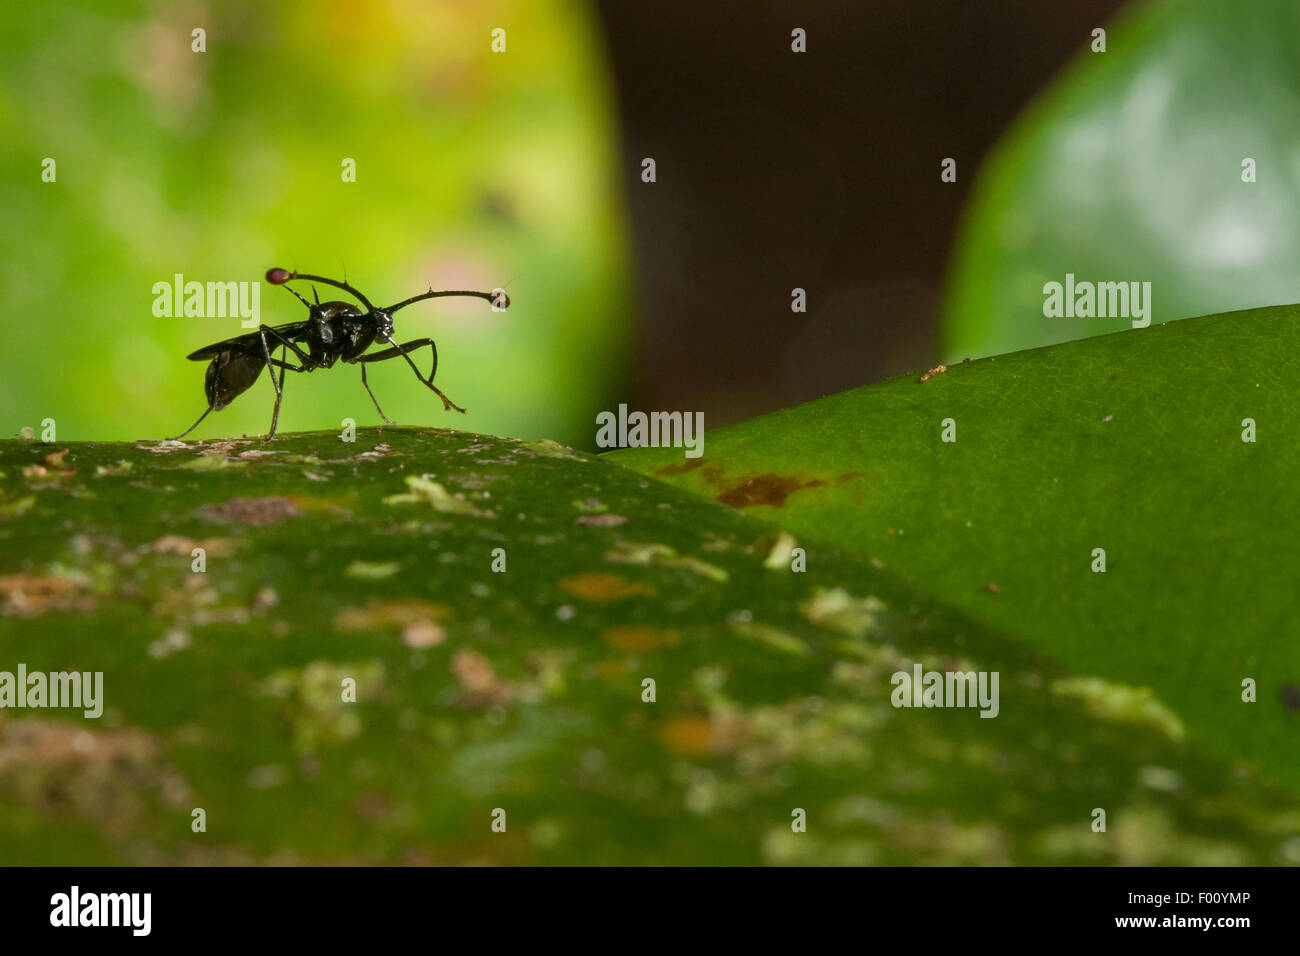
817 170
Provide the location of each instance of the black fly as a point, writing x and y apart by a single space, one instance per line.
332 331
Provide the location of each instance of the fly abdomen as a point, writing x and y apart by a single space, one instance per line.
230 374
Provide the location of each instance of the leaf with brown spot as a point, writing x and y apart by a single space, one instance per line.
254 511
399 613
680 469
479 683
55 742
770 490
111 778
26 595
604 587
640 640
612 669
699 736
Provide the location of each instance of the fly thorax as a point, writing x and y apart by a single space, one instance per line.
322 329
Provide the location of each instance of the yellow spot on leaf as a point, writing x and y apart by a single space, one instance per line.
604 587
640 640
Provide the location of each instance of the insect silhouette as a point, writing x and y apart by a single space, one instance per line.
332 331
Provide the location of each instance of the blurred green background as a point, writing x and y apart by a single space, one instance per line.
474 170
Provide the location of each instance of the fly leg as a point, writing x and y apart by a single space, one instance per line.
404 351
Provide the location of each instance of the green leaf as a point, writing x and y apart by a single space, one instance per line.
1131 443
522 689
1130 169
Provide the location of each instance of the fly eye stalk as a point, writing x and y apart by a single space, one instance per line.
497 298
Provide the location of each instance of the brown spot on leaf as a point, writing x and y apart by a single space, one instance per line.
604 587
691 736
111 778
613 669
54 742
402 613
770 489
255 511
40 471
689 465
53 467
766 489
640 640
26 595
479 684
699 736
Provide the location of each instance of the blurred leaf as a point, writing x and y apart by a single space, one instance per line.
1129 168
1132 443
522 689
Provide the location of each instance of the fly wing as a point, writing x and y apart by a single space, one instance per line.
293 331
